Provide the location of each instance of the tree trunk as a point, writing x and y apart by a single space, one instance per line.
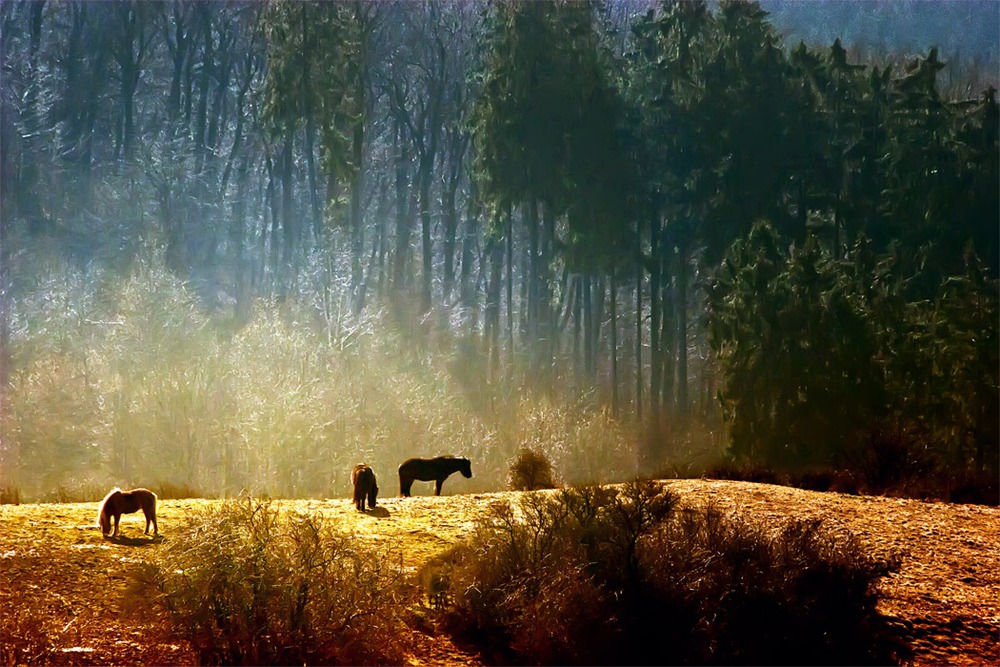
654 441
450 236
546 312
510 286
178 48
578 299
403 227
357 219
315 205
427 257
682 351
470 233
534 278
289 225
613 287
668 326
204 11
236 236
638 322
495 251
589 366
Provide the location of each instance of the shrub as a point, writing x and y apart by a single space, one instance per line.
246 585
539 579
605 576
980 489
798 595
531 470
889 457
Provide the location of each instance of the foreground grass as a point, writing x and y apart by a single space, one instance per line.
68 585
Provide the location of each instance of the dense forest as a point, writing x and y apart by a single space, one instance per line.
245 245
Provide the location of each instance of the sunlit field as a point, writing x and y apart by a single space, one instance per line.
73 597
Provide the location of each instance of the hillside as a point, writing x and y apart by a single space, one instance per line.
59 577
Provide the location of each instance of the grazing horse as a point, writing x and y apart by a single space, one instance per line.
363 479
119 502
436 469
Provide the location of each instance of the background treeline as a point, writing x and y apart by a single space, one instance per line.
246 245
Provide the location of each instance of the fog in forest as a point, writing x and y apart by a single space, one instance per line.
247 245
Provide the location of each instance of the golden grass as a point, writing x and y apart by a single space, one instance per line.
56 567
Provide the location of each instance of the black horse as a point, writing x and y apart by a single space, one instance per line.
436 469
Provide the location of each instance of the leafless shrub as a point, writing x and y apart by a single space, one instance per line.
530 470
247 585
600 575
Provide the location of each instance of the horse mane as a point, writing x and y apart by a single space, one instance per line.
104 503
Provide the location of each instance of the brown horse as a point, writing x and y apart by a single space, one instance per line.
363 479
119 502
436 469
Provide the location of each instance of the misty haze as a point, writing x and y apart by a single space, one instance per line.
682 315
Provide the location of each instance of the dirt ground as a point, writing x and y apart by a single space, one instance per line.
63 584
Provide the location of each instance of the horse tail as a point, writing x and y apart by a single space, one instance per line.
152 513
103 507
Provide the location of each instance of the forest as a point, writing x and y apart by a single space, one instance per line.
246 245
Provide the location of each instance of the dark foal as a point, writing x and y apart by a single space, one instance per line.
365 487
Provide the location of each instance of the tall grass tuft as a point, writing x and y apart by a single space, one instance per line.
247 584
26 637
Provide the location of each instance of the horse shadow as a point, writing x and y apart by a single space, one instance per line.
378 512
143 541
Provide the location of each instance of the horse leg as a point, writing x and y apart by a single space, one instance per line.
404 486
116 517
437 486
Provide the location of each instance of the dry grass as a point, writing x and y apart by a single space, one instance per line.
56 567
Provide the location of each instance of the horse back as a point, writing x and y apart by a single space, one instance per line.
136 499
427 470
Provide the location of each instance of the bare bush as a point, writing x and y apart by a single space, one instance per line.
530 470
539 579
606 576
247 585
